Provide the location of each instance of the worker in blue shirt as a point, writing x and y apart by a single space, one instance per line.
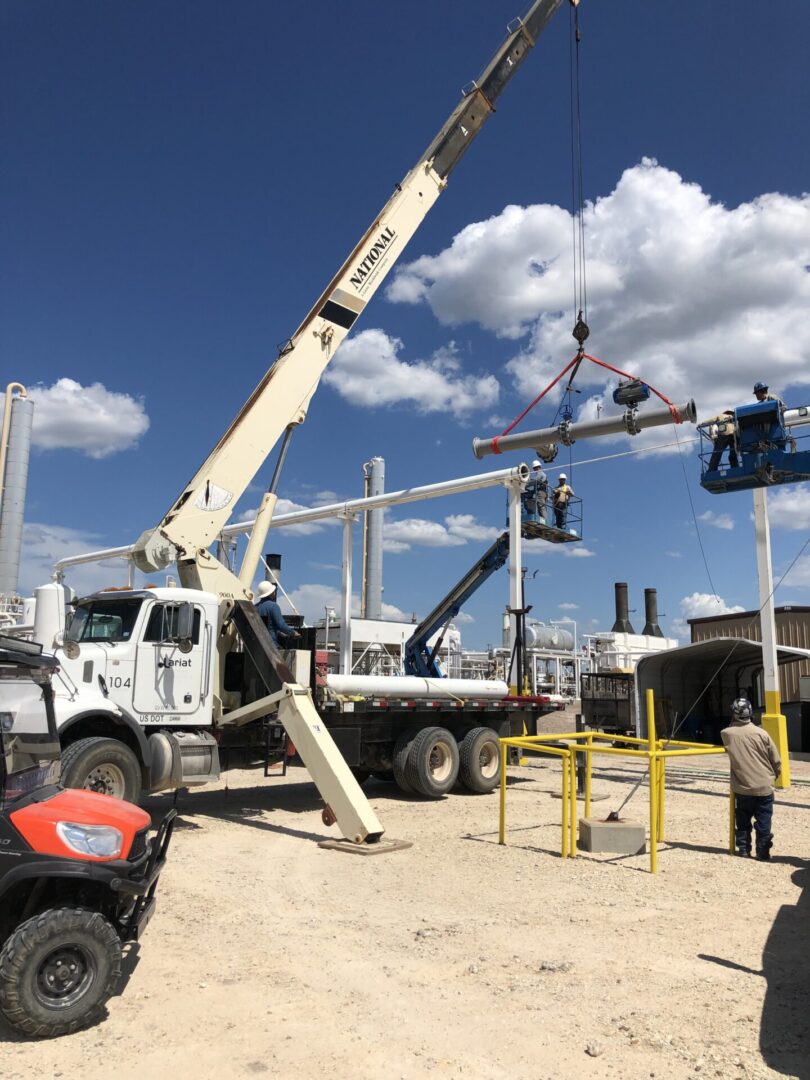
270 612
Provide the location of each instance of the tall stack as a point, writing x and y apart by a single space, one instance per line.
373 562
15 450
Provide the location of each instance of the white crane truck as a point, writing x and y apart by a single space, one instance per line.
157 684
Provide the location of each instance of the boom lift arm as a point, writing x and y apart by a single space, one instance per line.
279 403
421 660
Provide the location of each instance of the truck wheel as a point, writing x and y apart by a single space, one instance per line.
402 747
104 765
57 971
385 775
480 760
432 766
360 774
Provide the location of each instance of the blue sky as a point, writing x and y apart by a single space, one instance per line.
180 181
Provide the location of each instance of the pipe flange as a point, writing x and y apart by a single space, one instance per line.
631 422
564 431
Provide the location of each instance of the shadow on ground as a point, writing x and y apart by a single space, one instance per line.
784 1034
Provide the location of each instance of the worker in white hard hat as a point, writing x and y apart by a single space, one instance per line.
270 612
560 497
535 495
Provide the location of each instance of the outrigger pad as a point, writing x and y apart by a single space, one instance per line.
380 847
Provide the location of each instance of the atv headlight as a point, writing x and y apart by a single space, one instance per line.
103 841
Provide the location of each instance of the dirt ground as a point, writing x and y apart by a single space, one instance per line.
458 957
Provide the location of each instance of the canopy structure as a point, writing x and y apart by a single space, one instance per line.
695 685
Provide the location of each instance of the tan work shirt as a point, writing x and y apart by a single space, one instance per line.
755 761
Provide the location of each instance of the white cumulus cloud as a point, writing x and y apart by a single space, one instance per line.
678 284
789 507
568 607
700 606
367 371
311 600
91 419
717 521
419 531
44 545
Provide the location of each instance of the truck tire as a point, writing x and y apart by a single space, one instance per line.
480 760
104 765
433 760
360 774
402 747
57 971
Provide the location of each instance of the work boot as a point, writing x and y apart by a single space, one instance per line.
743 853
764 855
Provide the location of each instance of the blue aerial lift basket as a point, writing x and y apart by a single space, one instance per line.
767 453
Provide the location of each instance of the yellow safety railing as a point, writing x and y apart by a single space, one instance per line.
655 751
568 844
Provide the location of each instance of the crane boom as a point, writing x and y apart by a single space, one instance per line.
280 402
282 397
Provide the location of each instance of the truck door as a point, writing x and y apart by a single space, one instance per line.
168 681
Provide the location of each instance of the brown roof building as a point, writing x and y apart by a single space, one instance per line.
792 629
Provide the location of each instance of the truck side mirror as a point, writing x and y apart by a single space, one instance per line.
185 627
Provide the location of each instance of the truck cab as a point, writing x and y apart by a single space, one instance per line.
134 664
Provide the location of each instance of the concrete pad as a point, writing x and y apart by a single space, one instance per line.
617 837
381 847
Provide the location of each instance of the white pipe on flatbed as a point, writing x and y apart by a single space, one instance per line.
319 513
414 686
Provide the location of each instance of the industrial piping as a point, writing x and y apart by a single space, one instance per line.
517 474
631 422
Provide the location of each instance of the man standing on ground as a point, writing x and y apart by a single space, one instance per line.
755 764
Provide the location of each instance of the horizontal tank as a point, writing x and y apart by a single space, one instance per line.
549 637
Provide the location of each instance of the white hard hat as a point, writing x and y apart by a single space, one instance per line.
536 464
265 589
563 476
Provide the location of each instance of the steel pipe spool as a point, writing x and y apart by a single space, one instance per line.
631 422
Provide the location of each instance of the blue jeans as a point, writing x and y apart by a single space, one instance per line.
760 808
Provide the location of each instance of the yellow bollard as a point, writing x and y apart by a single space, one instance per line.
565 810
732 806
572 787
502 822
588 760
653 765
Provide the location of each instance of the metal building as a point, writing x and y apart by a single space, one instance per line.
792 629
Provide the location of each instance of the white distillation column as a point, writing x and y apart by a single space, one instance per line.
15 450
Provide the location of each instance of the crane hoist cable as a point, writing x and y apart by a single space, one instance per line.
581 330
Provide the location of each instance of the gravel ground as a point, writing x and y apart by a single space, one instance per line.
458 957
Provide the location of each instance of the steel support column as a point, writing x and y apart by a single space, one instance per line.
346 597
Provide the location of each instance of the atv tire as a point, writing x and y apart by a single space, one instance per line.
57 972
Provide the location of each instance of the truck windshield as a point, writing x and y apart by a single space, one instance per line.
104 620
